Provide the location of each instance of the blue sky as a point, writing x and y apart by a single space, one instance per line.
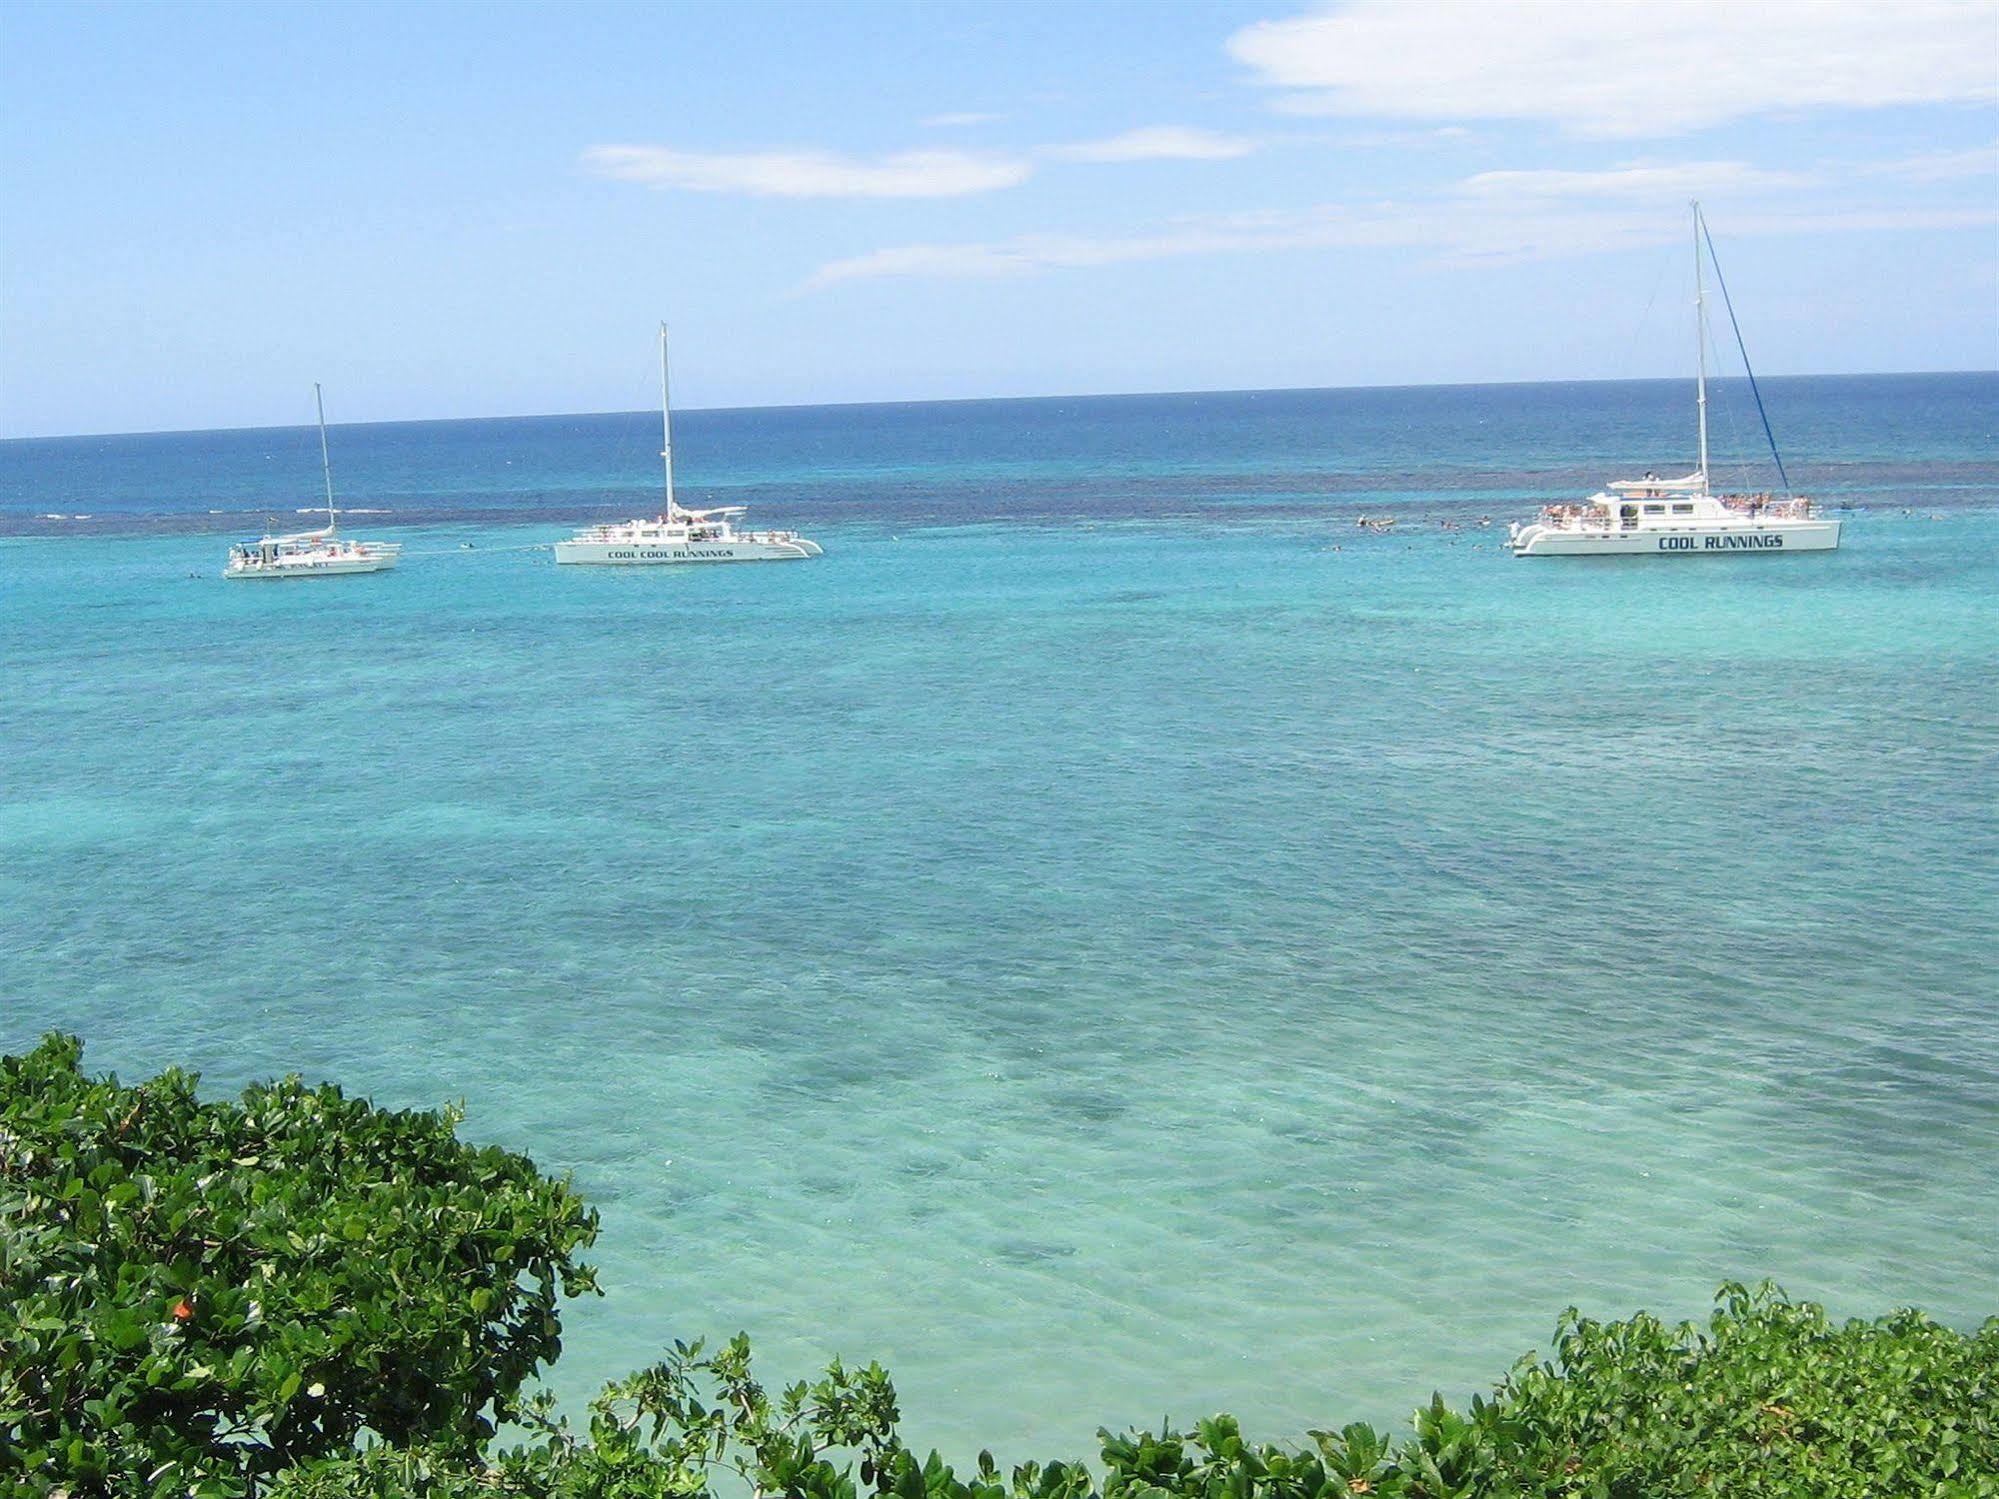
456 211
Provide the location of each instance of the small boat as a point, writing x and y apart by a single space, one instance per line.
678 534
1682 517
312 554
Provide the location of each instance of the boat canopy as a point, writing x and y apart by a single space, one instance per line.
1694 483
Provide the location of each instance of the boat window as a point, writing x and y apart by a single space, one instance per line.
1683 510
1655 509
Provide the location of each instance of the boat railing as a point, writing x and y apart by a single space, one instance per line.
1798 507
281 549
1755 506
1577 518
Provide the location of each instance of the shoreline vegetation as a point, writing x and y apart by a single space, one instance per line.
299 1294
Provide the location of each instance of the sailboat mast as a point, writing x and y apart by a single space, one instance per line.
1700 340
325 459
665 423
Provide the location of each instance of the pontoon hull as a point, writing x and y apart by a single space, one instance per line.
314 569
1538 540
646 554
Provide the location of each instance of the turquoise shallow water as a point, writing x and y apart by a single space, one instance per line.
1100 968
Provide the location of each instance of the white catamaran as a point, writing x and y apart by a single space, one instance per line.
312 554
1682 517
679 534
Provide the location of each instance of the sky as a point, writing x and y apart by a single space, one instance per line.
445 211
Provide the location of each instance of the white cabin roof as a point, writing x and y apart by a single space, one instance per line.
1694 483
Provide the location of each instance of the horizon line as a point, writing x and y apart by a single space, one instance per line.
1079 395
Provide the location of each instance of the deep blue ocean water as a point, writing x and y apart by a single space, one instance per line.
1110 938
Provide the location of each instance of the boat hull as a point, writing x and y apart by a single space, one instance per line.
340 566
659 553
1537 540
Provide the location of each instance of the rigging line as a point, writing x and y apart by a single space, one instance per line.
1638 332
626 444
1722 281
1722 409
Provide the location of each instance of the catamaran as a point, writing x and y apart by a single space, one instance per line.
1683 517
678 534
312 554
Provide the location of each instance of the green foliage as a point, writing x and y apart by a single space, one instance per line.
1770 1400
199 1294
307 1298
692 1423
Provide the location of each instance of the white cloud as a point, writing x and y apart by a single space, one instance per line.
1373 140
1940 166
810 174
1622 67
1158 143
1457 231
1682 180
957 121
933 262
1207 235
904 174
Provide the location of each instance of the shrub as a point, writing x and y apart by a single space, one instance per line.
203 1294
1771 1398
1768 1400
305 1297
